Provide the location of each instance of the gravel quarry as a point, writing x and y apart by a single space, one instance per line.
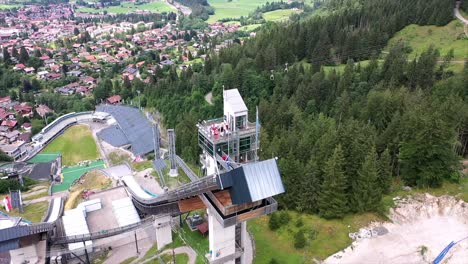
420 228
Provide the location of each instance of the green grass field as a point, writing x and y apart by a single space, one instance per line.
72 153
250 27
443 38
233 9
278 15
331 236
32 212
157 7
9 6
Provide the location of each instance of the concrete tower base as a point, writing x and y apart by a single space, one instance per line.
173 173
163 231
222 240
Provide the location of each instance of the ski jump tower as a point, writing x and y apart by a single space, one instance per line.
229 147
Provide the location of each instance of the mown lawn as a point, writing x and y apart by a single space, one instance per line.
76 144
233 9
157 7
420 38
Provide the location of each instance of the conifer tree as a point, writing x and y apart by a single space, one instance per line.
6 55
333 200
385 171
366 194
23 56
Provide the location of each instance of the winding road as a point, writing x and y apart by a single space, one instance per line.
459 15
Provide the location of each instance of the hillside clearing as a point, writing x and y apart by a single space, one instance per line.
233 9
420 38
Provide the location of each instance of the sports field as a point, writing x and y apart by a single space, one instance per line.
76 144
233 9
157 7
70 174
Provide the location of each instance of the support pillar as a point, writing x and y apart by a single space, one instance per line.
222 240
163 231
243 243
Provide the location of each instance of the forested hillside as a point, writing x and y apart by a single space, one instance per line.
343 138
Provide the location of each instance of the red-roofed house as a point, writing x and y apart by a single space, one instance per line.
24 110
115 99
11 124
43 110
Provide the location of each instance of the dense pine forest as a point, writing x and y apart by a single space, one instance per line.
342 138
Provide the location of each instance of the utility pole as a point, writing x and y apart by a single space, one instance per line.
136 243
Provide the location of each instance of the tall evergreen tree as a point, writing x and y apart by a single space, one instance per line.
23 55
333 199
426 154
367 194
6 56
385 171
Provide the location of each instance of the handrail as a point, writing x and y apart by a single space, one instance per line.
102 233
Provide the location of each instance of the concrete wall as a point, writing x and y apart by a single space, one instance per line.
163 231
222 240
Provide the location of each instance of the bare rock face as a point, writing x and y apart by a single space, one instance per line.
421 227
427 206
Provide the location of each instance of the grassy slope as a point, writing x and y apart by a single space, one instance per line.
332 234
278 15
73 153
158 7
443 38
32 212
92 181
233 9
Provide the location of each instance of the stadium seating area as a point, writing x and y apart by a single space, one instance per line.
132 128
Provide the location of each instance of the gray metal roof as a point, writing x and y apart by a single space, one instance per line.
114 136
134 125
263 179
253 182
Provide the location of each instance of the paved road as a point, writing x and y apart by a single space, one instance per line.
459 16
180 250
